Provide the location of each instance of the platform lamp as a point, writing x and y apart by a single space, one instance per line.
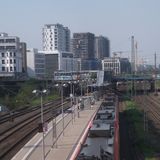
62 109
41 93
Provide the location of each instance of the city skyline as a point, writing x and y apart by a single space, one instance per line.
116 20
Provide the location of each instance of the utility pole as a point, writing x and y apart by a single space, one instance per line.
132 63
132 54
155 59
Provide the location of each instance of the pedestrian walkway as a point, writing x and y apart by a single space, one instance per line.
64 145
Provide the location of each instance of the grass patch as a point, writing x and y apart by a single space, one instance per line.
50 97
24 96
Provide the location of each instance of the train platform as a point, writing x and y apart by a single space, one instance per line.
60 144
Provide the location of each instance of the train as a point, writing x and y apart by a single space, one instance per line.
102 140
137 85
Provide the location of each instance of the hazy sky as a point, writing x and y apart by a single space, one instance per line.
116 19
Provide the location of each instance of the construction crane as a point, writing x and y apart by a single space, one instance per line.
115 53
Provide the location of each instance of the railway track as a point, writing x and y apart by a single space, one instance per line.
151 108
20 112
13 120
12 137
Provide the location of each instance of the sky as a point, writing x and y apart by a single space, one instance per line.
116 19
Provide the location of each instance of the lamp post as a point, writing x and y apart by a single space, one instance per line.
42 119
62 108
71 96
54 130
74 100
81 89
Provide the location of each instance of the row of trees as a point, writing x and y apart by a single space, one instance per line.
23 97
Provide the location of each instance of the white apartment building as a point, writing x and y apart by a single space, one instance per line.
10 55
56 37
35 64
117 65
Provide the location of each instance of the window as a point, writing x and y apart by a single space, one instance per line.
2 47
1 40
10 40
14 61
10 47
11 61
3 68
10 54
14 54
11 69
3 61
14 68
3 54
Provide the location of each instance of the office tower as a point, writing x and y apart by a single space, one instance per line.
83 45
35 64
23 50
56 37
10 54
102 47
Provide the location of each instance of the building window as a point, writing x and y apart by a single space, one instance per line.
11 69
14 54
1 40
10 47
2 47
3 54
14 61
3 61
14 68
10 54
3 68
10 40
11 61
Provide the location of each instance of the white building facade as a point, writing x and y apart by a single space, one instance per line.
10 54
35 64
56 37
117 65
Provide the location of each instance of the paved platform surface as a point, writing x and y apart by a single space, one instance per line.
65 145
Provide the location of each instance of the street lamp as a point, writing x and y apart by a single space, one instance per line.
81 85
62 109
42 119
71 96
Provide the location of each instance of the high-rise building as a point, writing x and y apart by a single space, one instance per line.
10 54
102 47
56 37
83 45
23 50
35 64
57 60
